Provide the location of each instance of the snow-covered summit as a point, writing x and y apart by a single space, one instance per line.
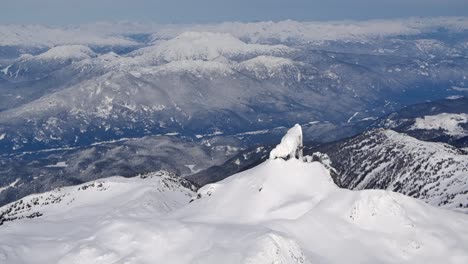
290 146
281 211
60 53
75 52
207 46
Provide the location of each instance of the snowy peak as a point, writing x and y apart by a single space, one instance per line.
74 52
43 64
207 46
291 145
276 189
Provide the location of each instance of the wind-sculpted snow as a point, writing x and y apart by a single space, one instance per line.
278 212
290 146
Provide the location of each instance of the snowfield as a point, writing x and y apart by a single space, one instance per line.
282 211
450 123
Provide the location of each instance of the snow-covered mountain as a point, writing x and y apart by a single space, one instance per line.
441 120
281 211
231 77
166 189
434 172
64 90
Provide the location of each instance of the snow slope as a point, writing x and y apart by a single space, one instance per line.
162 190
278 212
75 52
384 159
449 123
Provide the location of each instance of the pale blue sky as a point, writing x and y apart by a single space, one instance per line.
199 11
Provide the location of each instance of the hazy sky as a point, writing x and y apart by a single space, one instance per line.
193 11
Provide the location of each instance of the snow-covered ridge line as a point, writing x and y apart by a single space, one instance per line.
77 52
434 172
283 31
114 33
65 198
207 46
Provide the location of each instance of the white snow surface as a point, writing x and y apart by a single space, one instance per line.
450 123
314 31
290 146
278 212
264 67
77 52
259 32
206 46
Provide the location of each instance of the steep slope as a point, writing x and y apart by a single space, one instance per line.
281 211
436 173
